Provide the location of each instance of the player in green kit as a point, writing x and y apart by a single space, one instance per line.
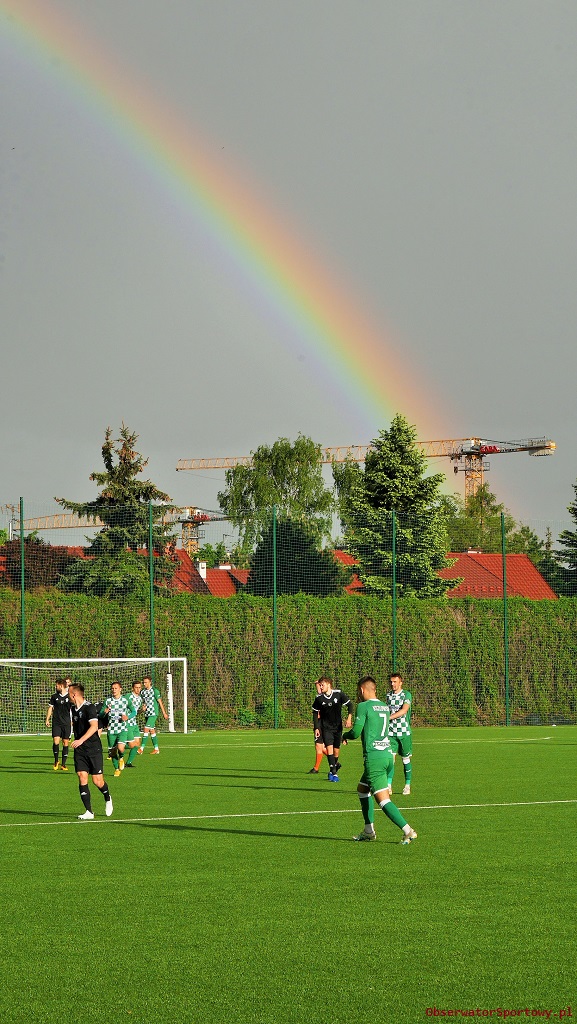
132 730
117 708
372 725
151 702
399 701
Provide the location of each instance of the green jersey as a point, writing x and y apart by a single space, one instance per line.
372 725
115 708
150 698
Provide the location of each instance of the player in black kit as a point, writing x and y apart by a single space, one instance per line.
328 721
88 756
59 708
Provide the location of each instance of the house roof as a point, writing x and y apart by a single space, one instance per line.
222 582
482 576
345 559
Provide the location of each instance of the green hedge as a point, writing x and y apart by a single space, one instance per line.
451 653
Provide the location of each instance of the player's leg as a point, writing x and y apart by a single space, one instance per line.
101 784
319 748
132 743
379 779
113 738
153 737
84 794
148 729
367 808
66 733
394 750
406 745
56 748
328 739
134 750
337 740
121 744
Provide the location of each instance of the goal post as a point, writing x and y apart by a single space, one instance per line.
26 685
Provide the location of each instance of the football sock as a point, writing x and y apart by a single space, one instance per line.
115 762
367 807
85 796
144 739
105 791
332 764
407 769
132 755
393 812
319 759
64 756
154 740
55 749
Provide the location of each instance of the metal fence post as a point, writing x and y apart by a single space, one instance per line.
394 584
505 618
274 621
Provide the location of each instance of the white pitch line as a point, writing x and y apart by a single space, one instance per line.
301 743
281 814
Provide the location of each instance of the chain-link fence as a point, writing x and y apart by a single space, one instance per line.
480 637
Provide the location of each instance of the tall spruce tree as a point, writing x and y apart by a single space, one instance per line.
393 480
113 567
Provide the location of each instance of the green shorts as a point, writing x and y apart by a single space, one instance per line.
402 745
116 737
132 733
377 771
150 722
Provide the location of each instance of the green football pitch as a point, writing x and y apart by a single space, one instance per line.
227 888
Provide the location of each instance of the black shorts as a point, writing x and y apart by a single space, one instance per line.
91 761
332 737
62 729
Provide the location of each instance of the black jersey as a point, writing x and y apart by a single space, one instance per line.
328 708
61 706
81 719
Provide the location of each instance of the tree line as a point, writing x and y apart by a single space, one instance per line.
280 505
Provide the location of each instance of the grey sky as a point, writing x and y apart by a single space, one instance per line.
425 151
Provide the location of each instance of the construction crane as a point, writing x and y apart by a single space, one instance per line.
467 453
191 519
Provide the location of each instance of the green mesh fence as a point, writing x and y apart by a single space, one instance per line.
258 626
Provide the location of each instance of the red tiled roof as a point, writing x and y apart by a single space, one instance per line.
345 559
222 582
483 576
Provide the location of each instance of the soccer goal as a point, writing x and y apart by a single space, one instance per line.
26 685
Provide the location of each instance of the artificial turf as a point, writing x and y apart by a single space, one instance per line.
227 887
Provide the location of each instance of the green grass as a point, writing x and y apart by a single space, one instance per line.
212 895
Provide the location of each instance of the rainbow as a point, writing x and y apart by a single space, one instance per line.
362 363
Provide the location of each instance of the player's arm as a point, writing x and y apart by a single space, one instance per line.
161 706
355 732
402 711
316 719
92 728
347 703
49 715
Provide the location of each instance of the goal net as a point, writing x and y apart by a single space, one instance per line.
26 685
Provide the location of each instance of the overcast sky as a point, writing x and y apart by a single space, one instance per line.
425 152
